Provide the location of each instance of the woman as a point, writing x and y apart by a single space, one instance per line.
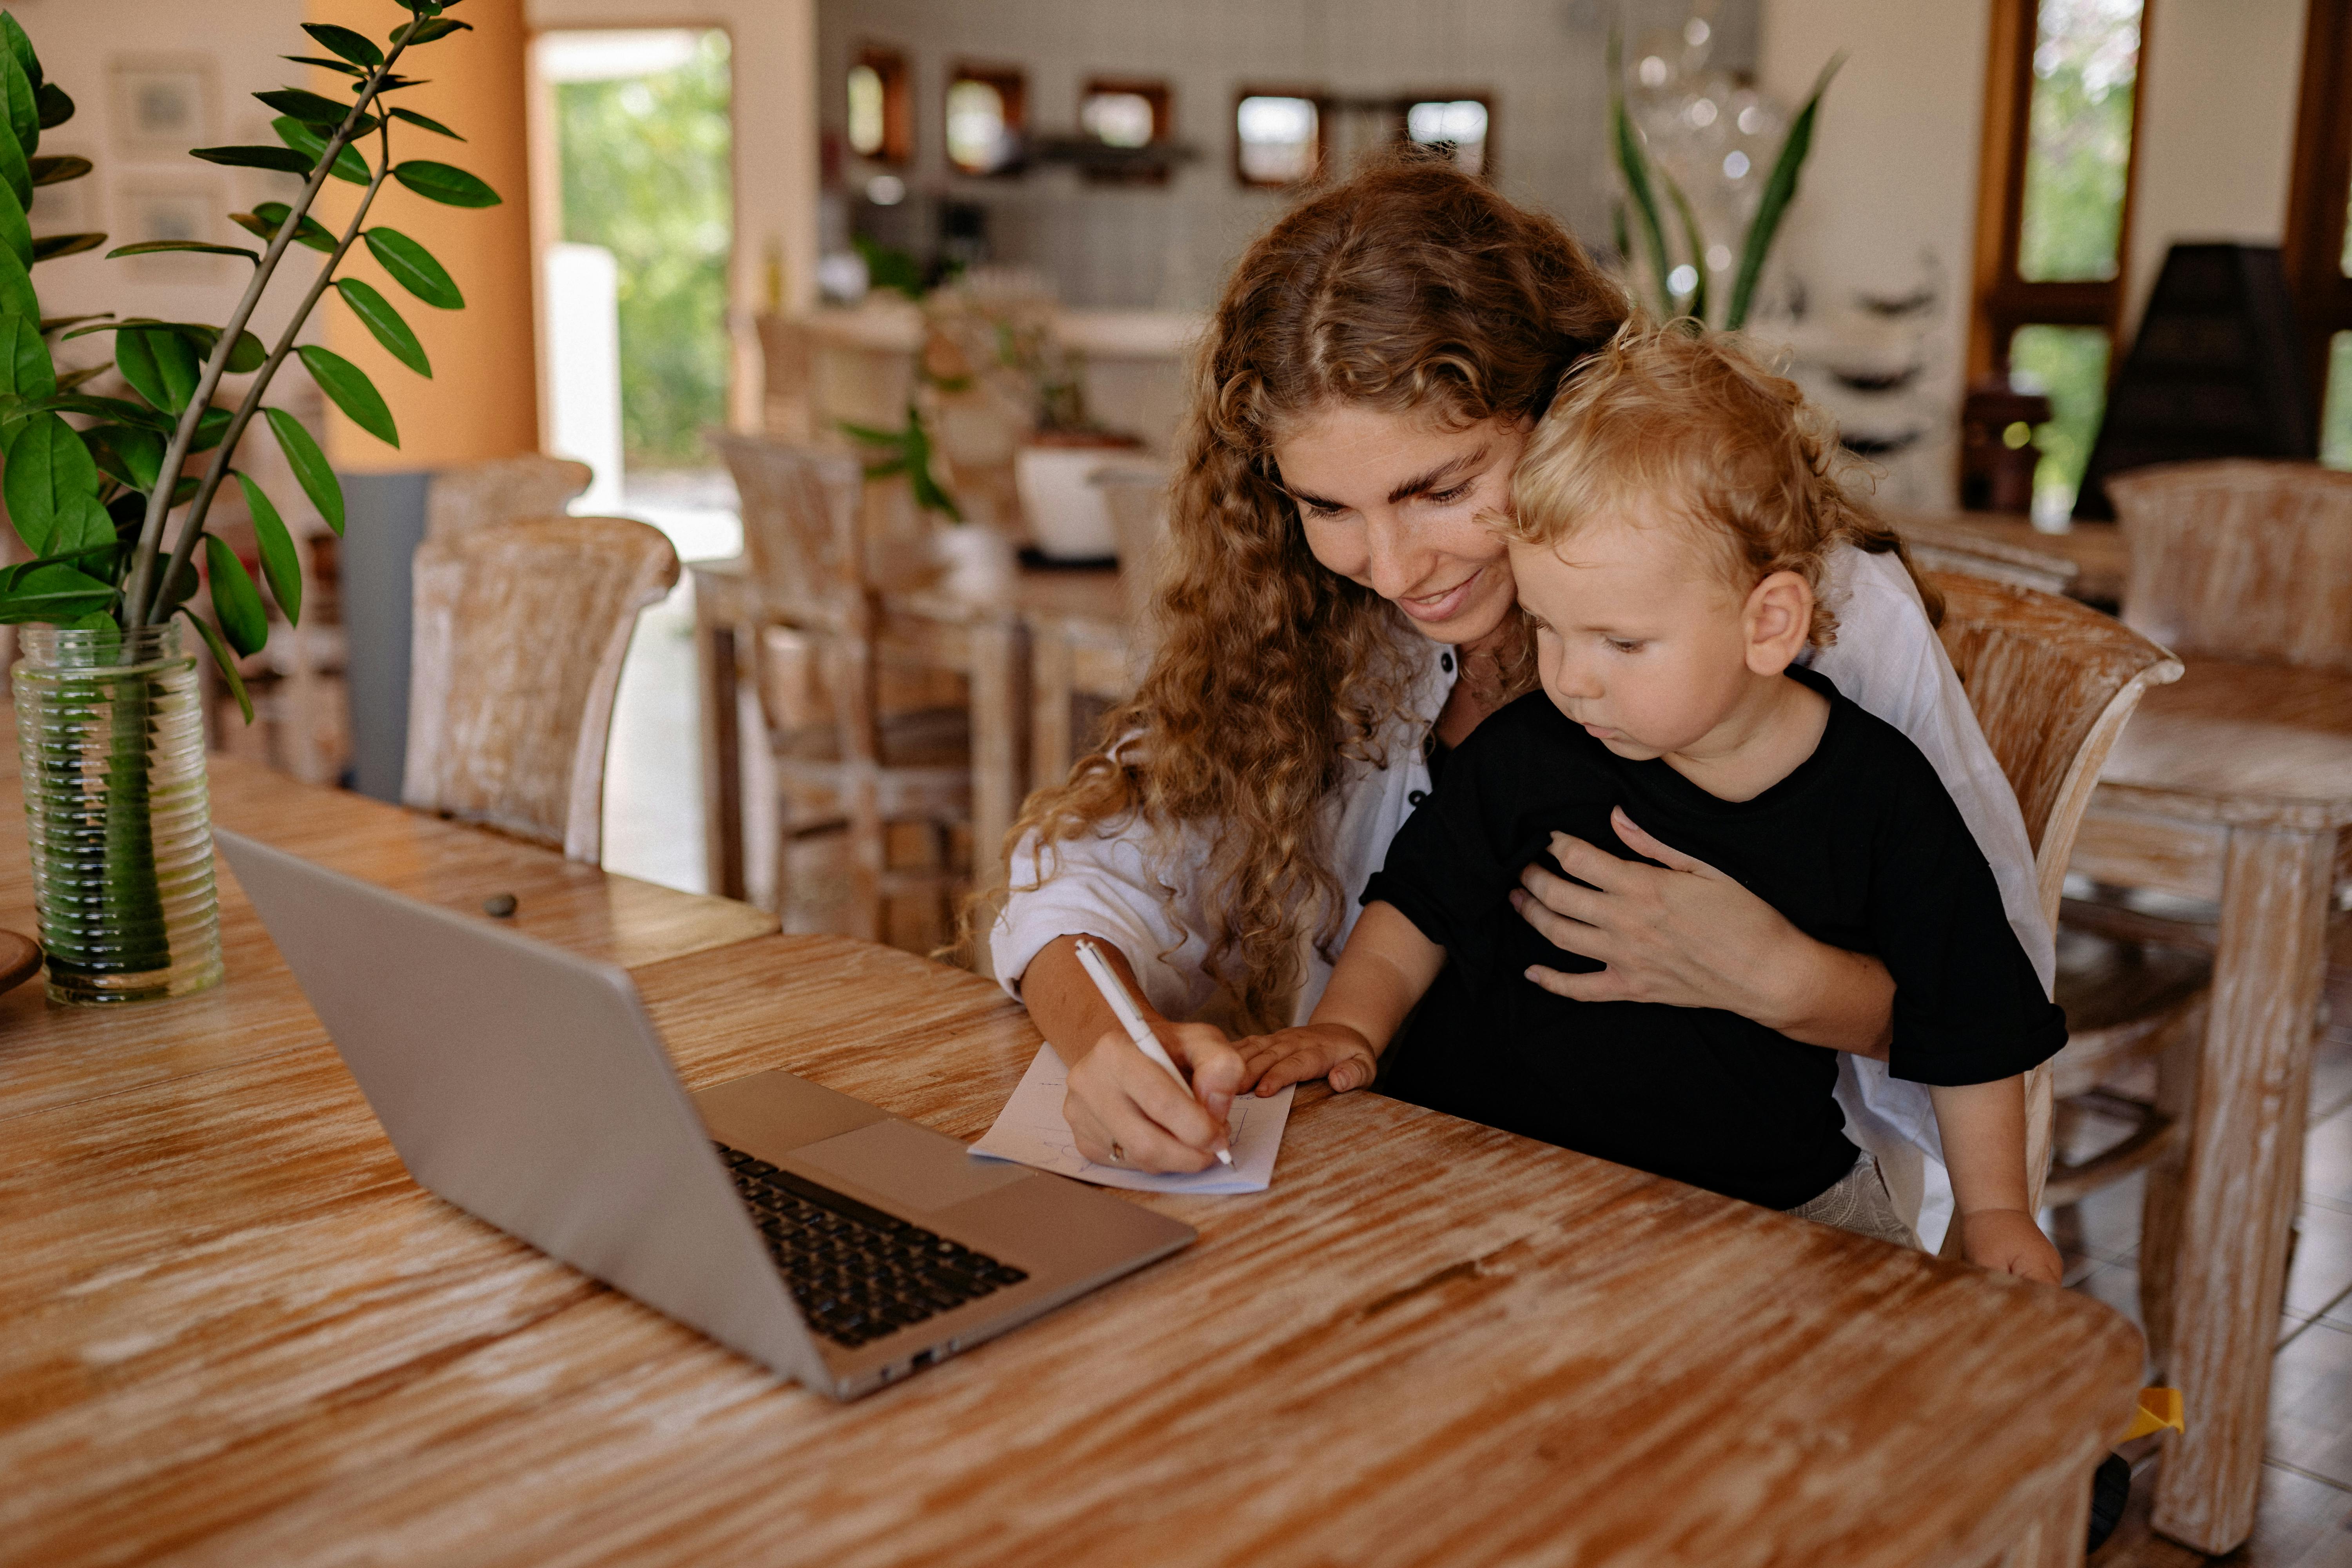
1366 387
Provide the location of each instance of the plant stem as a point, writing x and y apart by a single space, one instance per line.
199 505
145 587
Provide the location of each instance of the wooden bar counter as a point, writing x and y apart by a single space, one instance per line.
235 1332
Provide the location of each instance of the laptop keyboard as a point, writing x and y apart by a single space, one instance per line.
857 1273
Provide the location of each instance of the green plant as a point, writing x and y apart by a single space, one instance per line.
1780 190
92 504
907 452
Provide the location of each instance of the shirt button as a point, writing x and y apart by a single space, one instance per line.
1446 662
1416 797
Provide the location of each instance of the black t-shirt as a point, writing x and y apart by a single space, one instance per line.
1860 848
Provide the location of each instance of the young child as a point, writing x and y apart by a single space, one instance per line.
1671 513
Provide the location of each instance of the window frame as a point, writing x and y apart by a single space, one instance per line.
888 63
1483 97
1012 85
1320 99
2003 300
1158 93
2319 191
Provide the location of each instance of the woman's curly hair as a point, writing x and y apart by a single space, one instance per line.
1409 288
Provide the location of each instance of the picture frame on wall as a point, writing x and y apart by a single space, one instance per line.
176 208
162 104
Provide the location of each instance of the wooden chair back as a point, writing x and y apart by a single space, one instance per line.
502 490
520 633
2242 559
2052 682
802 533
1137 499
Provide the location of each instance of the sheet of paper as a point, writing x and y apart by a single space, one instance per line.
1032 1130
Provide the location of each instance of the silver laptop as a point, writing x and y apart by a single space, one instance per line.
811 1231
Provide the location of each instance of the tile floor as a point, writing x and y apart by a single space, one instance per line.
653 829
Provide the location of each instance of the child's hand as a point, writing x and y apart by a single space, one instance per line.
1332 1051
2009 1242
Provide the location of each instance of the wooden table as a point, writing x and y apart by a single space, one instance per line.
238 1333
2234 786
989 642
2090 556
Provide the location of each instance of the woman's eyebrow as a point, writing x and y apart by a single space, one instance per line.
1437 477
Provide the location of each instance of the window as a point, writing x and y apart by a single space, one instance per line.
987 112
1277 138
2317 251
881 108
1462 125
2062 114
1130 115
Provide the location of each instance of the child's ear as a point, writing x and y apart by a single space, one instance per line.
1778 620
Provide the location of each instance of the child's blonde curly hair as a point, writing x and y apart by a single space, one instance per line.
1693 424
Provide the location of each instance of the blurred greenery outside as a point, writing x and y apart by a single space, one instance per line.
2335 419
646 169
2077 156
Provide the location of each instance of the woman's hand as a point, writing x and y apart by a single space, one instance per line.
1125 1109
1332 1051
1690 936
2007 1241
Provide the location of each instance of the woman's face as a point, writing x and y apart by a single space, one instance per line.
1392 501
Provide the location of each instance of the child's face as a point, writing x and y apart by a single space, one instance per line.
1640 637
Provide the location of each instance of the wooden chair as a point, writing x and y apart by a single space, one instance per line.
2240 559
521 631
864 735
1082 665
501 490
2052 682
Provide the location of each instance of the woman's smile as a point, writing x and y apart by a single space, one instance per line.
1444 605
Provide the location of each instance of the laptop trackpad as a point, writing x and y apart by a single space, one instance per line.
913 1167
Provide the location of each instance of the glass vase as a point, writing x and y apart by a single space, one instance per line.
110 728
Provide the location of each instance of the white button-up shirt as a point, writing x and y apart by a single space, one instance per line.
1128 885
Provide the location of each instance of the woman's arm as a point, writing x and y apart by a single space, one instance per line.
1689 936
1386 967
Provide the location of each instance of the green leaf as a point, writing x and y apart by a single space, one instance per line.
49 470
49 246
412 266
343 65
285 160
1696 243
24 366
54 106
376 311
425 31
152 247
309 108
130 456
74 378
23 103
349 165
1780 190
235 601
230 675
57 324
56 170
441 183
351 391
15 171
180 588
15 234
117 409
266 219
279 563
21 46
16 286
309 465
54 593
245 354
356 47
212 425
159 363
435 126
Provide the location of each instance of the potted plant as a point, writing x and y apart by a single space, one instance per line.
111 495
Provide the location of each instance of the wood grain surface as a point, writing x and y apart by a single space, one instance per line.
238 1333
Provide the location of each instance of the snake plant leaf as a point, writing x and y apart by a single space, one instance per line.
445 185
309 465
13 34
279 563
230 675
309 108
348 165
285 160
160 364
376 312
351 391
55 169
23 104
413 268
260 224
49 246
54 106
412 118
25 369
54 593
1694 241
237 602
130 456
345 66
1780 190
49 471
425 30
356 47
152 247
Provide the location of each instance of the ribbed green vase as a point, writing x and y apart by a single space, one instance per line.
109 727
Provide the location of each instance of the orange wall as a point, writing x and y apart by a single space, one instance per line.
482 401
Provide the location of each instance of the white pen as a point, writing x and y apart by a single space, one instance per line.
1130 1017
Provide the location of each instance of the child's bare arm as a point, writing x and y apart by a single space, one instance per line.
1384 971
1983 1131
